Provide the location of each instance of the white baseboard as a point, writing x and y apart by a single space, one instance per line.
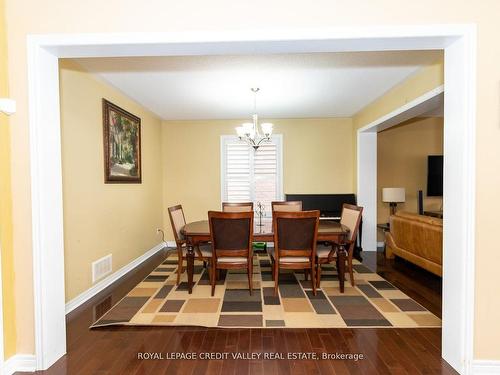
380 244
19 362
485 367
104 283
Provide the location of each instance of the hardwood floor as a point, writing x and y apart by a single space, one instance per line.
115 350
419 284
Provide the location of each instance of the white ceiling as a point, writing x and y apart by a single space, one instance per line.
291 86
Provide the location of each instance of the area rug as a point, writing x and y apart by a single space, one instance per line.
373 302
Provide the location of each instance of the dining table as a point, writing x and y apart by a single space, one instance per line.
328 231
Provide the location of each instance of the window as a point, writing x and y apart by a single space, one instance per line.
251 176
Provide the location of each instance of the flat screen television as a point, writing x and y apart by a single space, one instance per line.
435 176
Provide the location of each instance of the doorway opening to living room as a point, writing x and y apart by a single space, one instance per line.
409 200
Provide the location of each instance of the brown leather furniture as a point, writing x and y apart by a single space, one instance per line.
418 239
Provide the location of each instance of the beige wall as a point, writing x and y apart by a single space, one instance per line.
402 162
317 158
26 17
100 218
420 82
6 246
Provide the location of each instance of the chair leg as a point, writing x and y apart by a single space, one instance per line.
179 270
306 271
272 269
250 277
276 272
318 275
212 278
351 273
313 280
204 264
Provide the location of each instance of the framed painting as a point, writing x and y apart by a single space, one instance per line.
122 145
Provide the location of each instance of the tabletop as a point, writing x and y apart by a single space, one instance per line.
201 228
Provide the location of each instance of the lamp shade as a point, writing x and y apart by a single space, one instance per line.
393 195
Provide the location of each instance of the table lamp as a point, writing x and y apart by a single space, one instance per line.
393 196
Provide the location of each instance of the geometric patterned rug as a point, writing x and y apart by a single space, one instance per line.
373 302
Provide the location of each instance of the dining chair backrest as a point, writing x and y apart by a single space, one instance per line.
351 217
237 207
177 220
287 206
231 233
295 233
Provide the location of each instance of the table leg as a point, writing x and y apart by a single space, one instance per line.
341 253
190 266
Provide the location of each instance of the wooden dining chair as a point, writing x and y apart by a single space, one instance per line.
351 217
242 207
202 252
295 236
231 234
286 206
237 207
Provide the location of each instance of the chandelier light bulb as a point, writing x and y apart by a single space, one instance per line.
249 131
248 128
267 129
240 130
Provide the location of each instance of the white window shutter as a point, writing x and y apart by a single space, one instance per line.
238 172
266 175
248 175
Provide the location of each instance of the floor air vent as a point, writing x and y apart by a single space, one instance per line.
102 307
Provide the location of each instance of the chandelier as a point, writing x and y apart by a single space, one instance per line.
249 131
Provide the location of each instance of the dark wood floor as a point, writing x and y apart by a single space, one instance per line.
115 350
419 284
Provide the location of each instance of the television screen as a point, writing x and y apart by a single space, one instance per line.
435 176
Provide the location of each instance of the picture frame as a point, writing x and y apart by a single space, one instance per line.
122 145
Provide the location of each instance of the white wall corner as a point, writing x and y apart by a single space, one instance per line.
21 363
485 367
104 283
367 187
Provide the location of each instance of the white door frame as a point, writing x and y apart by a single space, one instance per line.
367 157
45 146
458 195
